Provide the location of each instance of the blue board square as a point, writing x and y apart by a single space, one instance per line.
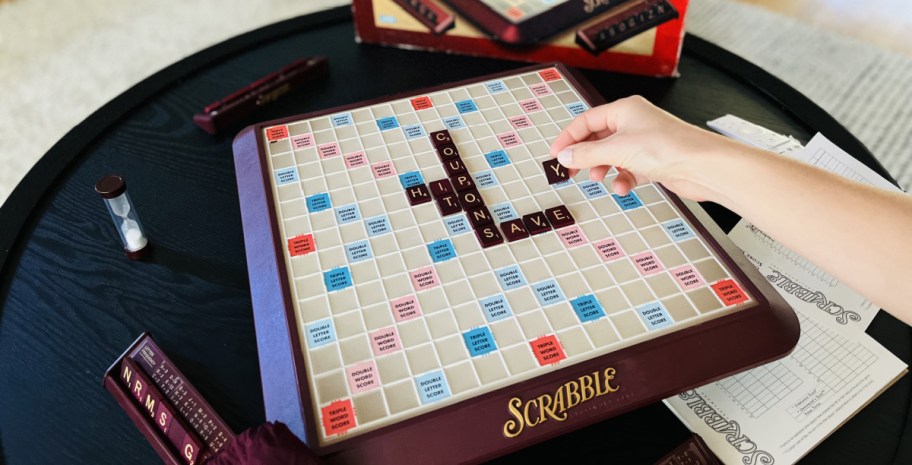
318 203
348 213
286 175
548 293
497 158
678 230
466 106
412 178
390 122
562 184
358 251
320 333
457 224
454 122
628 202
342 119
510 277
441 250
413 131
576 108
504 212
479 341
337 278
587 308
495 307
377 225
654 316
592 189
432 387
496 87
484 179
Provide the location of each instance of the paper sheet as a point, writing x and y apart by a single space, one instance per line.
781 410
778 412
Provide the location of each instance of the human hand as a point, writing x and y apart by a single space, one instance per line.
644 144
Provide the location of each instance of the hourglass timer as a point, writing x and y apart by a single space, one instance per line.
113 190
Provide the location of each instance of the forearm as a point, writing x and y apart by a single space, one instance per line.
857 233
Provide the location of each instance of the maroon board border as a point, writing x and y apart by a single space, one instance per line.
471 420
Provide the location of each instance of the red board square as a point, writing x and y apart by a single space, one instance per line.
548 350
276 133
729 292
549 74
338 417
301 245
422 103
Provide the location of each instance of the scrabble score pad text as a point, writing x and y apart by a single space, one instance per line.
434 261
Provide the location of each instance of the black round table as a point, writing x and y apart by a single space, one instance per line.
72 302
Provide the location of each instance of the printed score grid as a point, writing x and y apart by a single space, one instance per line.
833 363
404 304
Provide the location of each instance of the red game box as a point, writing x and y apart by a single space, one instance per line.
630 36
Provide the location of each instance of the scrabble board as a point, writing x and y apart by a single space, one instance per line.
529 21
422 270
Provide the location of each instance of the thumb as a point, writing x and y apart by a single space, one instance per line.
608 151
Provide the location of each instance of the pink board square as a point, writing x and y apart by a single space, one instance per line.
509 139
687 277
383 169
362 377
405 308
424 278
531 105
572 237
540 89
647 263
609 249
329 150
355 159
302 141
520 122
385 341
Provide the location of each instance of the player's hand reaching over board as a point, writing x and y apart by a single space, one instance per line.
644 143
855 232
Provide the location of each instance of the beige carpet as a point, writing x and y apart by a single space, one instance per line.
60 61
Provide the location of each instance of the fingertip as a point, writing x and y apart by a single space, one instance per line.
621 187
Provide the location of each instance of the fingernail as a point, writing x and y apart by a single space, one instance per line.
565 157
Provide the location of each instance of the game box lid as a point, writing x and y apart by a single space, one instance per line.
630 36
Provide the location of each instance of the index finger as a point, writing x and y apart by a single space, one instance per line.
594 120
